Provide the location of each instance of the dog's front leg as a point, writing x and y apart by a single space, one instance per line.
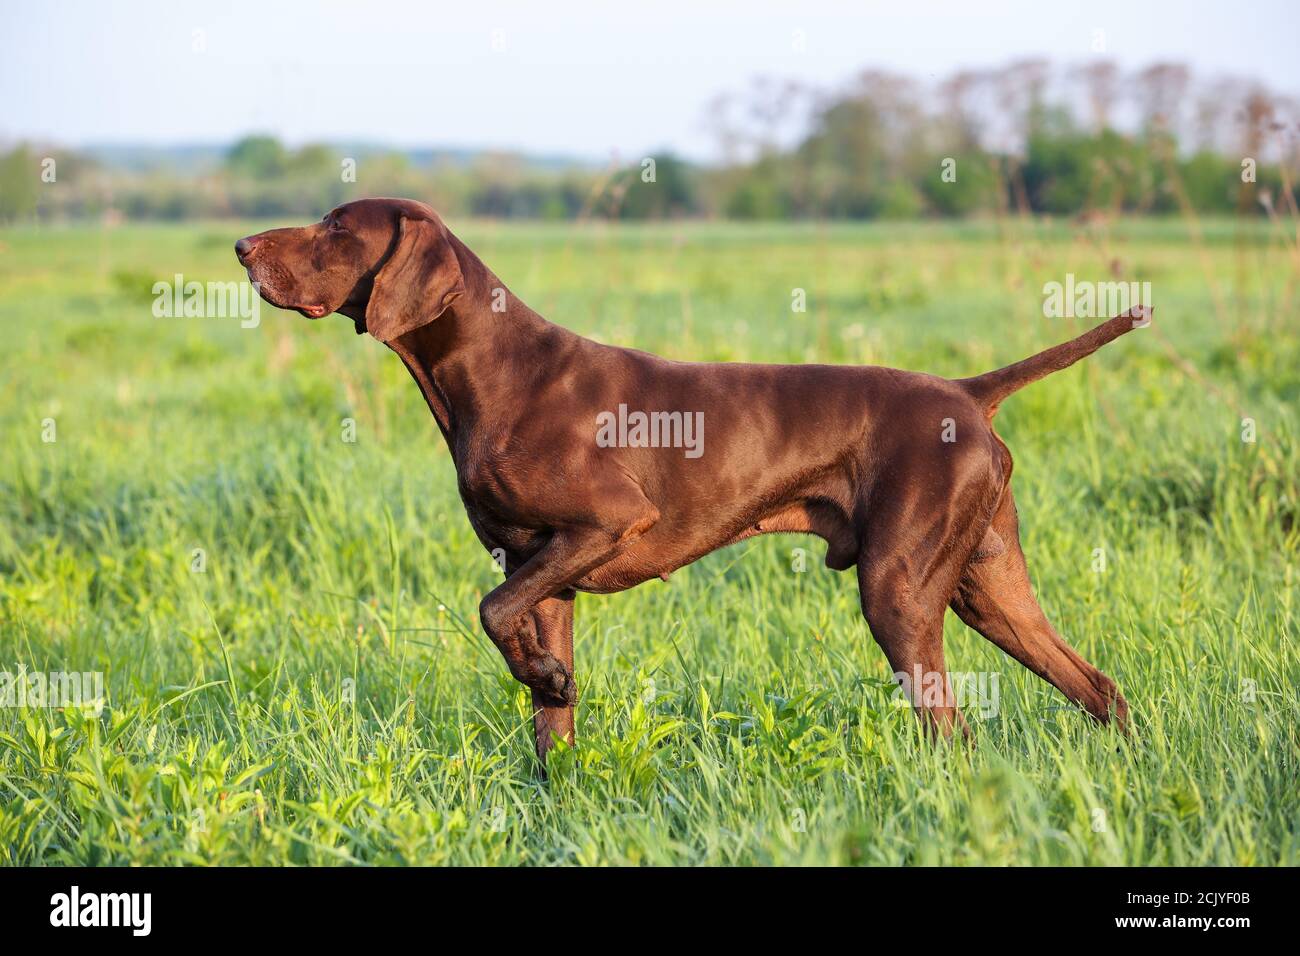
508 614
553 619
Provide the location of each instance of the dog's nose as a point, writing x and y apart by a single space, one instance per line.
243 247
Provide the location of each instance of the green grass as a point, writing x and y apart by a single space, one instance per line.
321 693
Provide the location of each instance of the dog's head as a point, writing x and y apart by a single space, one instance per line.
388 264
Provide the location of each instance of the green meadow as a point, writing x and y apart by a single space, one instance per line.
286 620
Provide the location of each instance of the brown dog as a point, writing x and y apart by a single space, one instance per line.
585 465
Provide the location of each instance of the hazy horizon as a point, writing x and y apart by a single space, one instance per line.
569 80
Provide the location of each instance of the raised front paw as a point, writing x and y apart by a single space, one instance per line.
552 680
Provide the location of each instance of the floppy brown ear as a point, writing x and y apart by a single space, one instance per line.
417 283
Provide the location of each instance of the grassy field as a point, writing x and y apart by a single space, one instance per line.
314 687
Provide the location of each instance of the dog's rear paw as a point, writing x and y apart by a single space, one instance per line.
1119 712
1110 707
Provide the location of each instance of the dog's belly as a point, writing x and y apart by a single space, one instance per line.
665 549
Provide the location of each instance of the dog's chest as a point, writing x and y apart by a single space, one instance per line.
498 533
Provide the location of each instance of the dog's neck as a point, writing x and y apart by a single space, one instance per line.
485 345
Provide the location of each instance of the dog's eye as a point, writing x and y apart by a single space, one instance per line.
336 226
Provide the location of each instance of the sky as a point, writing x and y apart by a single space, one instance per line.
590 80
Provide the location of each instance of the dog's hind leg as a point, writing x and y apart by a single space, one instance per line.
905 575
920 524
553 619
911 636
994 597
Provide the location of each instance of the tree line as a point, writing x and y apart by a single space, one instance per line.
1024 138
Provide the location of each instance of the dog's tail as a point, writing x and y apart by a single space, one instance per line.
991 388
